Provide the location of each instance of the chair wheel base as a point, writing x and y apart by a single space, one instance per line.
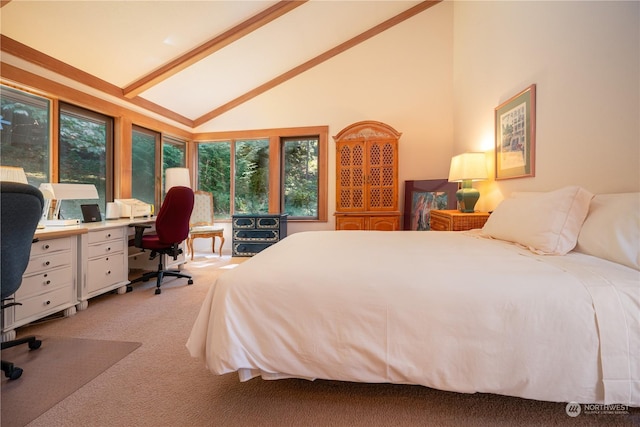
35 344
12 372
190 282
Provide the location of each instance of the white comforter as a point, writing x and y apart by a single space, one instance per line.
447 310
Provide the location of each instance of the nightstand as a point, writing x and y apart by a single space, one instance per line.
454 220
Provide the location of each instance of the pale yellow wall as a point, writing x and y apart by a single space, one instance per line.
584 58
402 77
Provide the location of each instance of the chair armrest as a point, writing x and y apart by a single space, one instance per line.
137 240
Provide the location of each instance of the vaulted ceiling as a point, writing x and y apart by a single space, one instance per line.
188 61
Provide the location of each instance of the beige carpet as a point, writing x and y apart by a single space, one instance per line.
58 368
159 384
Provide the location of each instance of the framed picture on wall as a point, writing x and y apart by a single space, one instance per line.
515 134
420 197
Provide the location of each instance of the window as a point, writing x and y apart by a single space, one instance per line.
266 171
143 164
214 175
85 155
25 133
300 177
251 178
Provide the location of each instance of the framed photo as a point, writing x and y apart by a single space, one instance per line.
516 135
420 197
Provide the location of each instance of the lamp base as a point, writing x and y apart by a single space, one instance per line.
467 198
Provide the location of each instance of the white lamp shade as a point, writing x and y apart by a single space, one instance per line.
468 167
13 174
60 191
176 177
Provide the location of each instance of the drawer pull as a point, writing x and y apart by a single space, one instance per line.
48 282
46 263
108 235
108 272
46 247
47 303
108 249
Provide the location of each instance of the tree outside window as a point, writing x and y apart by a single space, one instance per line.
24 133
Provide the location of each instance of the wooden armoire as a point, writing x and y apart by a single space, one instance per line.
367 177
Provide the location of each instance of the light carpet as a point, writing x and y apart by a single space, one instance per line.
58 368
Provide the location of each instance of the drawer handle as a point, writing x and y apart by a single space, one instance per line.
108 249
48 282
47 303
108 235
108 272
46 247
46 263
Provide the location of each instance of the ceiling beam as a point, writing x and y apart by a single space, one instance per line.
22 51
211 46
315 61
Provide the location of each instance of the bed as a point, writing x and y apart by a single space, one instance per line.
542 303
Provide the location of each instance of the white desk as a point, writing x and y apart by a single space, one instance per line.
69 265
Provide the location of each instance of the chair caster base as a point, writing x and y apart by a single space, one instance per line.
11 372
35 344
190 282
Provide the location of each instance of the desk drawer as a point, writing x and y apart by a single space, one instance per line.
44 281
44 304
100 236
105 271
47 262
106 248
42 247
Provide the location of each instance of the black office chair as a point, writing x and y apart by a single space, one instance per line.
172 228
20 210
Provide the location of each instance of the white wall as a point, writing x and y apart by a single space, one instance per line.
402 77
584 58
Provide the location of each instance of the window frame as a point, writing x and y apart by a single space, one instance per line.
276 136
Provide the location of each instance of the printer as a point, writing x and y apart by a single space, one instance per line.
133 208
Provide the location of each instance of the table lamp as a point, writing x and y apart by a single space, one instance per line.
465 168
176 177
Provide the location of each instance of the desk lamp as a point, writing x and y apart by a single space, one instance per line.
54 193
465 168
13 174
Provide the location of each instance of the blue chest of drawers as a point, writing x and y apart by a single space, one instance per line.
253 233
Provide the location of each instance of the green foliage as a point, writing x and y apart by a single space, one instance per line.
214 175
301 178
24 134
252 176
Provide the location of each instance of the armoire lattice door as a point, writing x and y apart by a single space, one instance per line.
367 177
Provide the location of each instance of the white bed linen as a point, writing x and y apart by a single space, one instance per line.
447 310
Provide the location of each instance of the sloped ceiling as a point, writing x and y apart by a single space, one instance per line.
188 61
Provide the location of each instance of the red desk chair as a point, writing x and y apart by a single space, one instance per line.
172 228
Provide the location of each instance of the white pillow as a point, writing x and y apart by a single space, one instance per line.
546 223
612 229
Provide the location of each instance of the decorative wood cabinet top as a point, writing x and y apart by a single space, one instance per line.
366 170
